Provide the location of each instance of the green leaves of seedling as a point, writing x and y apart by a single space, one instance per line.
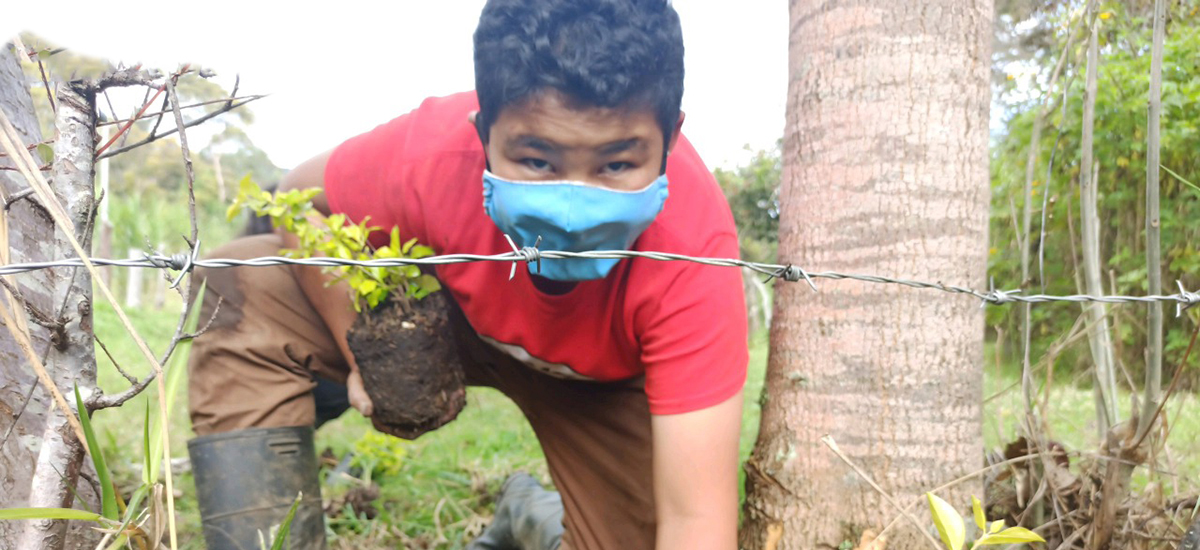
334 236
952 529
980 518
949 524
1012 535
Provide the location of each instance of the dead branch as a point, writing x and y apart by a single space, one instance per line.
157 120
1174 384
187 159
46 84
829 442
125 128
119 399
113 360
156 137
165 111
132 76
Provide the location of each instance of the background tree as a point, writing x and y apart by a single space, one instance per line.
40 456
1120 144
752 190
885 170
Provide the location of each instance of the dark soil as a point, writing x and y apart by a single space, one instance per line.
410 368
361 499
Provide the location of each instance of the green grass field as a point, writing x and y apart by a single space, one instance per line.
435 492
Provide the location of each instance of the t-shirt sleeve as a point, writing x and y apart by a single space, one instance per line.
694 346
364 177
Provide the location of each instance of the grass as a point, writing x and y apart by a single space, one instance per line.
435 492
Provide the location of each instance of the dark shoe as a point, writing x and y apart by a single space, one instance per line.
246 481
528 517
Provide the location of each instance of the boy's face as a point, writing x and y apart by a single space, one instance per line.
545 139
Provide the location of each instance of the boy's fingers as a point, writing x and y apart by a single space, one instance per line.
363 406
358 395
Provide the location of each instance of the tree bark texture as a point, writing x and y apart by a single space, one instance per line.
40 458
885 171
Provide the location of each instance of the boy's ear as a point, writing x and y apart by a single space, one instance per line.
675 133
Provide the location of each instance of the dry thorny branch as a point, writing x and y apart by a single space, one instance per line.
39 194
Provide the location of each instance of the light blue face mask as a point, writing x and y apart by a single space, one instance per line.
571 216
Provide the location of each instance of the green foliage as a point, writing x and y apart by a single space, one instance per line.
446 475
379 455
335 237
174 371
1120 149
108 498
953 530
281 535
753 194
50 513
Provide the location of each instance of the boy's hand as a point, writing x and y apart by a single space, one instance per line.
358 395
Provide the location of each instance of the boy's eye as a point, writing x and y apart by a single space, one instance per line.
616 167
537 165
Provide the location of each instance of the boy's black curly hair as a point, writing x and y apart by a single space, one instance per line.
597 53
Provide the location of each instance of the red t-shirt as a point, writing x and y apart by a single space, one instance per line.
681 324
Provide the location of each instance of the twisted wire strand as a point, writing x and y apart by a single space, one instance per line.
531 254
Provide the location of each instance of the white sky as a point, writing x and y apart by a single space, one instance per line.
337 69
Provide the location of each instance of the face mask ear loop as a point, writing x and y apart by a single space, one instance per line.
481 133
666 151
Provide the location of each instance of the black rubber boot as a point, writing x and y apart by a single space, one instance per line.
528 517
1191 539
246 481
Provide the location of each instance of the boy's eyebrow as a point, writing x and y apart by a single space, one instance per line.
620 146
547 146
534 142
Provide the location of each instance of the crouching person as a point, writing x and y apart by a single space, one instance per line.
629 371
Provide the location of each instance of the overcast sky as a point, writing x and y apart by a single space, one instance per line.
336 69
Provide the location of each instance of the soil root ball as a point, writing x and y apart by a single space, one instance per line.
410 368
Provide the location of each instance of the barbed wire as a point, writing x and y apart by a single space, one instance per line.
184 263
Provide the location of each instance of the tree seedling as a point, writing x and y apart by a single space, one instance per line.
952 528
333 237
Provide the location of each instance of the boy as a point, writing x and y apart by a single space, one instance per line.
630 372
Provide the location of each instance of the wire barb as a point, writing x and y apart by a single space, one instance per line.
999 297
174 263
187 265
792 274
530 254
1187 300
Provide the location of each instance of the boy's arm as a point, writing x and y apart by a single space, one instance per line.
695 477
331 302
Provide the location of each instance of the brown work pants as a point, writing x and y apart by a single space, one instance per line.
260 360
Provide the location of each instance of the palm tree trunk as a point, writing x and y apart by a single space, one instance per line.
885 172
